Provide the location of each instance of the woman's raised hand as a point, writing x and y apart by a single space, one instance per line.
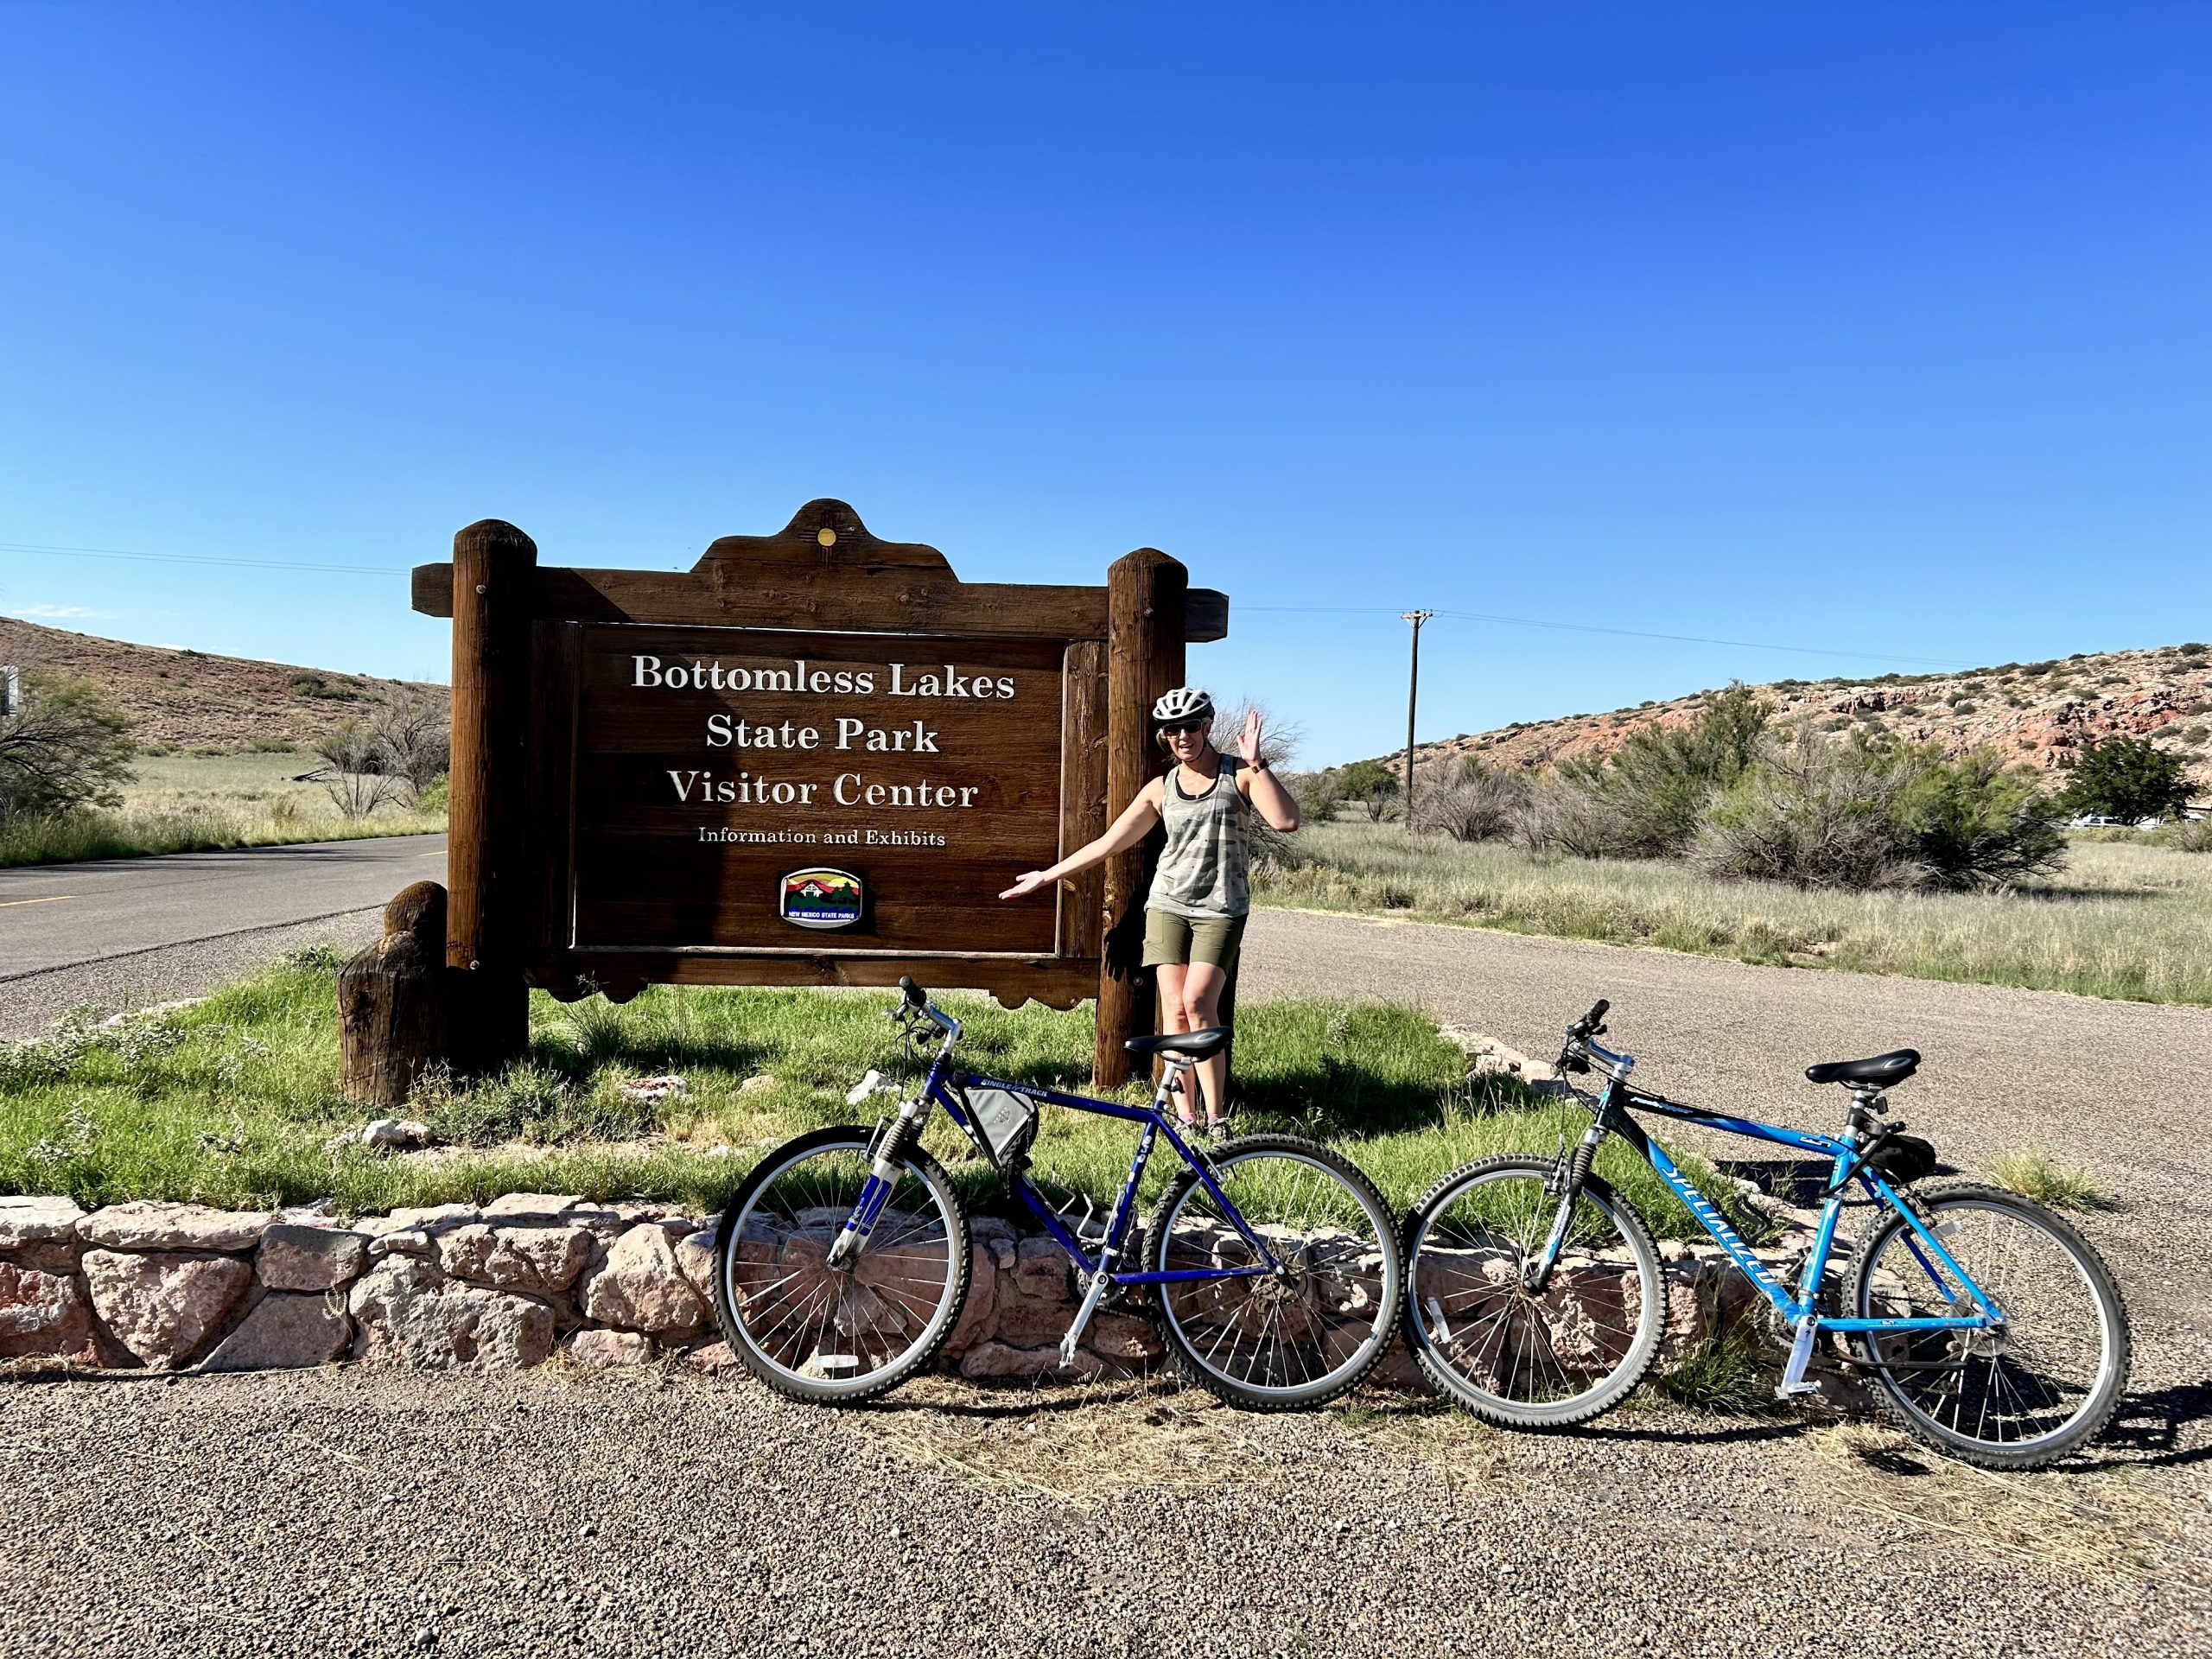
1248 741
1025 884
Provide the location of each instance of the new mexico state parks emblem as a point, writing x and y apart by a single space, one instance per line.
822 898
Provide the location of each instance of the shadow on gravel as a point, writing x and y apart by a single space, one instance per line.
2147 1431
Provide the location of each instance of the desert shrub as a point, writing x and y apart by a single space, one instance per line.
355 775
304 683
67 747
1483 805
1564 815
1862 813
1815 813
1975 822
1371 782
2130 778
2184 836
1645 799
415 736
2194 648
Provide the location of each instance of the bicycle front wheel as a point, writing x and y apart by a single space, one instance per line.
1313 1325
1515 1357
839 1334
2014 1397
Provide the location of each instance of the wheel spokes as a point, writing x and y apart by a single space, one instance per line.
843 1324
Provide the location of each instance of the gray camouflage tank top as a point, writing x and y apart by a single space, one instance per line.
1204 868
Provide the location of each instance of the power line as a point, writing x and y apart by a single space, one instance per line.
1625 634
1280 610
199 558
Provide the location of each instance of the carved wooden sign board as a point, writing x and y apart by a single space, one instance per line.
813 759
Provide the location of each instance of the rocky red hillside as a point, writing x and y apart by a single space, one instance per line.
188 700
2041 714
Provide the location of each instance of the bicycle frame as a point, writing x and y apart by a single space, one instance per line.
941 1089
1798 1308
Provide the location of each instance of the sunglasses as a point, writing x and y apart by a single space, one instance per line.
1169 728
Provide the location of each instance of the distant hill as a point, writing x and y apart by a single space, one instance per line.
2041 714
189 700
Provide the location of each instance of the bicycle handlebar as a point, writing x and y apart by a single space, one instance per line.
917 1000
1591 1024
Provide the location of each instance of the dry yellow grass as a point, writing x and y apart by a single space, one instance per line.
1074 1445
2099 1523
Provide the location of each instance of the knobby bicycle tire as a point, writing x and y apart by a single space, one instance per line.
1191 1363
923 1168
1497 1408
2084 1425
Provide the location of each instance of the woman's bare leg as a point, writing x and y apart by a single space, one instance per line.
1202 987
1172 1018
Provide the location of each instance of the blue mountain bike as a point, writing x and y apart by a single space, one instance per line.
1269 1265
1989 1328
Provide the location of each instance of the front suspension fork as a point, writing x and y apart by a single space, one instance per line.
1536 1274
892 1146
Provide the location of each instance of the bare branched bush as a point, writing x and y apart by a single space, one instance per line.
1278 746
1482 805
1566 815
355 776
414 731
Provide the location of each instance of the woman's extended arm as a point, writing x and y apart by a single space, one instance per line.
1125 832
1276 804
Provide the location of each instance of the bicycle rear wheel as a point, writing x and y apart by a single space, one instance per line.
1519 1358
837 1335
1307 1331
2014 1398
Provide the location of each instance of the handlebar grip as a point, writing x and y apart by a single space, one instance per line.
1597 1010
916 997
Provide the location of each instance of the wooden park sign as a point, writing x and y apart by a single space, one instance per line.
813 759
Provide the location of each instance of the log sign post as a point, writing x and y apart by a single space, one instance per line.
813 759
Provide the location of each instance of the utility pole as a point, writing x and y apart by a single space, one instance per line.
1413 702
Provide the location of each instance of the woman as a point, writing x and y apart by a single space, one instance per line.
1194 913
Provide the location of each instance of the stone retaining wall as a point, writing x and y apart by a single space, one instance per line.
166 1286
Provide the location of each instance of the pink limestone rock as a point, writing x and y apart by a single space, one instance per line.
515 1255
294 1257
408 1312
162 1305
156 1224
285 1333
600 1350
638 1286
42 1314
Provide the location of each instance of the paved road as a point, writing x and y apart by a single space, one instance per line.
548 1514
127 931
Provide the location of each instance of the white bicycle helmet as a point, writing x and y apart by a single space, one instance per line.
1185 703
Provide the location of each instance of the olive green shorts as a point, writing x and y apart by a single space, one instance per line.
1179 939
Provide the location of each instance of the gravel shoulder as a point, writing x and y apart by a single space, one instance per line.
356 1512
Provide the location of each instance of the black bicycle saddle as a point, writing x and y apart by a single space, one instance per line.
1878 1073
1196 1043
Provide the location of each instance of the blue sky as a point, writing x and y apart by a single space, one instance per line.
1881 329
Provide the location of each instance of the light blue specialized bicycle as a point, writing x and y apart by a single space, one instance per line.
1989 1328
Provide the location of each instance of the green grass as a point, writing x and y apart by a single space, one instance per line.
234 1101
178 803
2125 920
